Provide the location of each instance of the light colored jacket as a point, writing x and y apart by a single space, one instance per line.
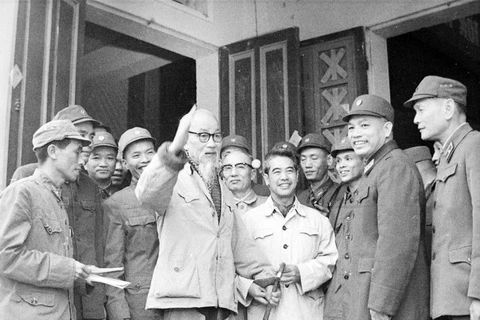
198 255
303 238
36 265
456 225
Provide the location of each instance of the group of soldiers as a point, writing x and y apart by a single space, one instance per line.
379 233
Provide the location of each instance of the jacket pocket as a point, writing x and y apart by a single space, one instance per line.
365 265
446 173
177 279
51 226
363 194
460 255
141 221
262 233
309 231
34 298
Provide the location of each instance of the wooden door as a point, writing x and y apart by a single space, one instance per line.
259 89
49 41
334 73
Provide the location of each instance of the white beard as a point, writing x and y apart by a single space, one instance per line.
208 171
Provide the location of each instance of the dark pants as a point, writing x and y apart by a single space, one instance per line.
453 318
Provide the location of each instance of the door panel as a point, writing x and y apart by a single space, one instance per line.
333 74
259 91
46 51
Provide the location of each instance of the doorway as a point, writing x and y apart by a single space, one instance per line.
450 49
127 82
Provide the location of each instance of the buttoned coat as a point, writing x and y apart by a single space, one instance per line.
389 271
36 266
198 255
132 243
456 225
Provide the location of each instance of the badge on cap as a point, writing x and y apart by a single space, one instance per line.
233 139
359 102
137 132
308 139
101 138
83 111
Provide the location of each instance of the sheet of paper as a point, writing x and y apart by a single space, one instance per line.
108 281
97 270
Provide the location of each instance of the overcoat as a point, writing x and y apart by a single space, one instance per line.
389 270
199 254
456 225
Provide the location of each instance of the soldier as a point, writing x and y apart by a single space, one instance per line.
389 270
85 214
37 268
350 169
101 162
440 105
132 241
423 160
297 235
202 241
321 193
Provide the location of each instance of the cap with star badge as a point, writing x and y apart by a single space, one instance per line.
342 145
314 140
235 141
288 146
104 139
132 135
438 87
371 105
56 130
76 114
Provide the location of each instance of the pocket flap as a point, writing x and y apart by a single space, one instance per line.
51 226
445 174
141 221
315 294
460 255
365 264
262 233
38 298
88 205
177 279
309 231
189 195
363 193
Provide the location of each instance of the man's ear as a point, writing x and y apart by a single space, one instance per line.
387 129
265 178
52 151
124 163
449 108
253 174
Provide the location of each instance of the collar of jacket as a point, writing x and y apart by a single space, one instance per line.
323 188
271 209
45 180
454 140
382 152
250 198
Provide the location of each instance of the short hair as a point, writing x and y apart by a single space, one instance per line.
279 153
42 153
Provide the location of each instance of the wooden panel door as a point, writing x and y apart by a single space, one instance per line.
49 41
259 89
334 73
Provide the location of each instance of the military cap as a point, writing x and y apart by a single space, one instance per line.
104 139
132 135
285 146
234 141
417 154
76 114
438 87
371 105
314 140
342 145
56 130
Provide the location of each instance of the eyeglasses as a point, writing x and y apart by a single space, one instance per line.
241 167
205 136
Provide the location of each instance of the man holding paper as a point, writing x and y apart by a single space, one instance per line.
37 270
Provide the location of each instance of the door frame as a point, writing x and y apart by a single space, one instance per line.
376 37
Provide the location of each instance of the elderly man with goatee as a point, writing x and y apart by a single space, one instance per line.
202 241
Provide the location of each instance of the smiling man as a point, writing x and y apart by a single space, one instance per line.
202 241
101 162
132 240
389 270
295 234
321 193
37 271
440 105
